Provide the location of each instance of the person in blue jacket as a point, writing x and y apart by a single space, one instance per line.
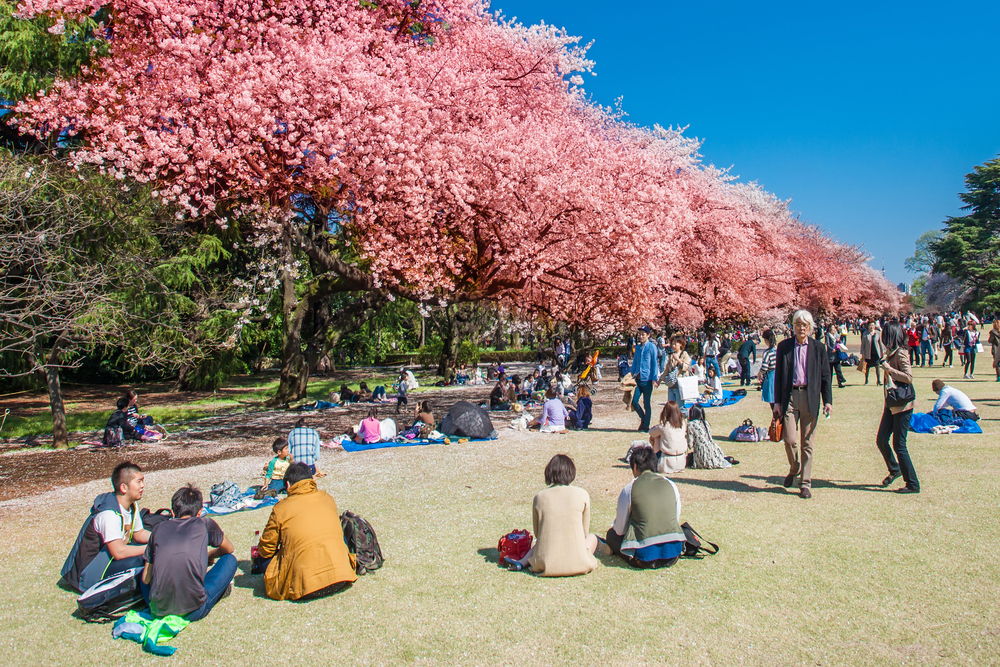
644 371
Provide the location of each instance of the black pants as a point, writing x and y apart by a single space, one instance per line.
948 356
896 425
966 414
970 360
614 541
914 354
744 371
835 368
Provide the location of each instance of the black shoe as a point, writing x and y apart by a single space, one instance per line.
893 476
805 492
907 489
790 480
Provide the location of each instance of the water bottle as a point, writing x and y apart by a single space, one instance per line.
255 545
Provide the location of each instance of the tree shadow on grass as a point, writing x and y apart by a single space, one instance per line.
244 579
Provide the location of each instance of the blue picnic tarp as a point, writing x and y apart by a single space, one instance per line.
350 446
922 422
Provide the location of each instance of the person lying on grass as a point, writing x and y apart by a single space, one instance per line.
112 539
647 529
564 545
177 580
302 551
554 414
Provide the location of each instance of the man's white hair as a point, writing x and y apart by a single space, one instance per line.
803 316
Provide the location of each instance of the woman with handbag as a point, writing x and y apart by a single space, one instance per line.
678 365
899 400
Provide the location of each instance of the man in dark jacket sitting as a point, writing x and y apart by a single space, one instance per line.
112 538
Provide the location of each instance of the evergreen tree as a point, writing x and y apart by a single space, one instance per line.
969 250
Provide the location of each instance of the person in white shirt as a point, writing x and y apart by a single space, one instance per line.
952 399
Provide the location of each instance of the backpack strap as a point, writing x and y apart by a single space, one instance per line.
686 527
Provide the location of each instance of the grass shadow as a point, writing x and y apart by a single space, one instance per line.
823 483
254 582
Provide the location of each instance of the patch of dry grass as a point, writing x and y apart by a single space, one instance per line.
856 575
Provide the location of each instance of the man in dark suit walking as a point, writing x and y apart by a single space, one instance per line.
801 380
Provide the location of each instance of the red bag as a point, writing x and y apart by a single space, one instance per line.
514 545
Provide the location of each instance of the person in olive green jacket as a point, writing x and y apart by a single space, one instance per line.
304 543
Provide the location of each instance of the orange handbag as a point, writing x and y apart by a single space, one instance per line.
774 433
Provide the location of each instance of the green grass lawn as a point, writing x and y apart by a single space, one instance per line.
178 413
855 576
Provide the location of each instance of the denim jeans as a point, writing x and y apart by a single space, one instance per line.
276 485
713 361
896 425
926 353
217 580
645 390
744 371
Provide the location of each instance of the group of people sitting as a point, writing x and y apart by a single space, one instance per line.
646 532
185 562
680 442
126 423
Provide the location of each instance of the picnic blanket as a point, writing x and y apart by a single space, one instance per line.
924 422
728 398
246 503
351 446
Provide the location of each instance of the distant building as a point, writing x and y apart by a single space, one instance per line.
903 287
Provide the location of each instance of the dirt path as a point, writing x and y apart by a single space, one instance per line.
221 437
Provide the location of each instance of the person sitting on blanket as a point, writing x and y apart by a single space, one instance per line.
119 419
647 530
369 430
274 471
498 397
177 580
304 444
554 414
424 415
952 399
364 393
112 539
713 386
143 424
302 551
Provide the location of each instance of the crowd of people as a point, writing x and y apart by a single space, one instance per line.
187 564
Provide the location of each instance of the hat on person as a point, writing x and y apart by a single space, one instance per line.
645 328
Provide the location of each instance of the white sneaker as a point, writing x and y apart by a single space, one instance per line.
965 377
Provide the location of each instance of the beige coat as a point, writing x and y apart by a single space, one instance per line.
899 370
304 536
561 518
673 443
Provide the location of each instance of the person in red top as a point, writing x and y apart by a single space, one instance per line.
913 341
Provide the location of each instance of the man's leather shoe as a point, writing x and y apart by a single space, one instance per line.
790 480
891 478
907 489
805 492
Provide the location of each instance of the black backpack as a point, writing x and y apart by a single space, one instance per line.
362 542
150 519
110 598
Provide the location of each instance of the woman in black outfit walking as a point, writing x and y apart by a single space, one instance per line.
896 419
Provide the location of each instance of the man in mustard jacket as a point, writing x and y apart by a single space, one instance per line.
304 542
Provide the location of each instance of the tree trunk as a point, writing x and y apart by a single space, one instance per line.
294 311
449 351
423 332
60 437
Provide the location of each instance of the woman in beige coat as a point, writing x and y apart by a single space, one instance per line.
564 545
896 419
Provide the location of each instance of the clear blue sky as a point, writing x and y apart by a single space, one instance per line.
867 115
